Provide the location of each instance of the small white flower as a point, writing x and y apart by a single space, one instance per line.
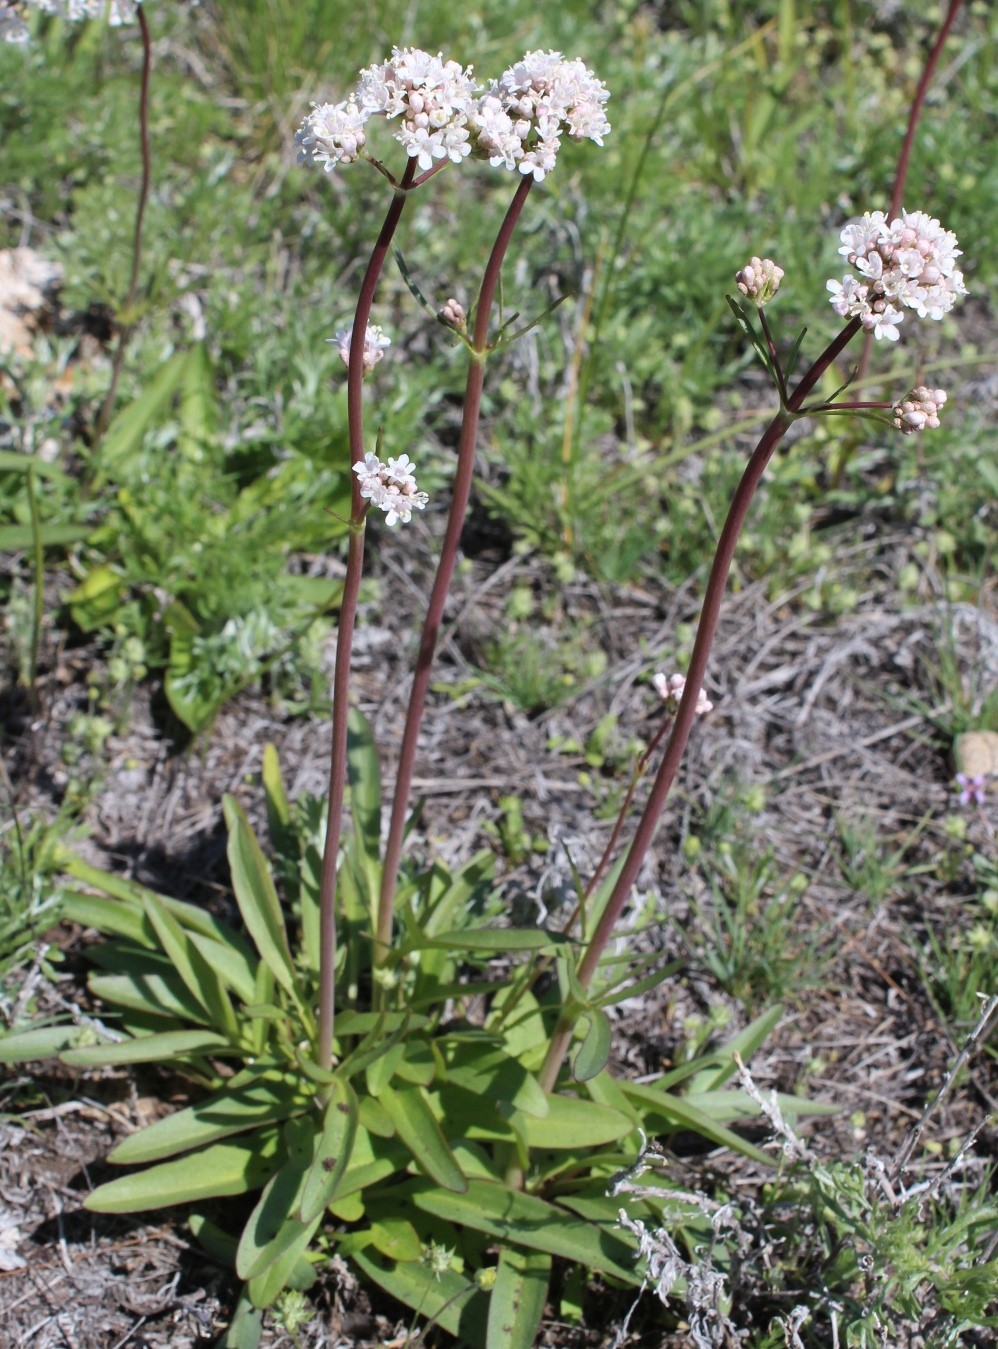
520 119
884 323
433 99
390 486
907 263
671 689
375 344
331 134
116 12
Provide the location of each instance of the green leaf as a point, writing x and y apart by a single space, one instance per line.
194 701
109 916
395 1238
125 434
198 409
364 773
198 975
517 1302
97 598
497 1079
190 916
676 1113
148 1049
258 902
147 990
333 1147
218 1245
41 1042
11 461
278 805
292 1270
17 538
258 1095
273 1233
448 1299
417 1127
489 940
512 1216
572 1122
245 1328
594 1051
222 1169
744 1044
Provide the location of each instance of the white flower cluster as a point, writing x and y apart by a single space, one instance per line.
375 343
517 123
116 12
391 486
520 120
907 263
919 410
431 97
759 280
671 688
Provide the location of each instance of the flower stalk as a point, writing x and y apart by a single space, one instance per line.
347 622
687 711
461 491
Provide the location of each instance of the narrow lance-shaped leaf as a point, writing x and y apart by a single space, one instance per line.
333 1147
222 1169
258 902
518 1297
417 1127
198 975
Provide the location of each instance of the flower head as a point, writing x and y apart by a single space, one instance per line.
331 134
375 343
391 486
519 121
919 410
431 98
759 280
907 263
116 12
671 689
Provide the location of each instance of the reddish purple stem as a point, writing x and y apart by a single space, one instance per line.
348 617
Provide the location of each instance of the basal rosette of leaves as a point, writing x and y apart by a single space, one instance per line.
406 1153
